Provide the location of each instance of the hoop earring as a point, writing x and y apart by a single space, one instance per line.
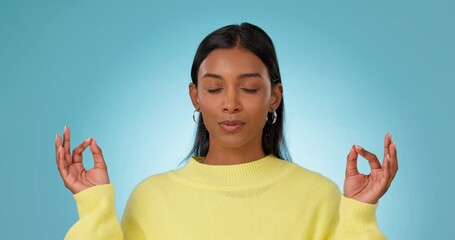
275 117
194 115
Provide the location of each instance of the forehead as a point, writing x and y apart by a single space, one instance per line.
232 61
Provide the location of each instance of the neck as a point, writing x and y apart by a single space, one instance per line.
229 156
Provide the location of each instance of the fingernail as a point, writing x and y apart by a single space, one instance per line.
88 139
394 144
59 148
388 158
390 135
358 147
64 129
56 136
94 141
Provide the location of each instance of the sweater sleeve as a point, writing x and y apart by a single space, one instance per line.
133 217
97 216
357 221
342 218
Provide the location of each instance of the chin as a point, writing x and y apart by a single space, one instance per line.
235 142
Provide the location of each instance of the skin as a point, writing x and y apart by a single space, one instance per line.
74 175
369 188
233 84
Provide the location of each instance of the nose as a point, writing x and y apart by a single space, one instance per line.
231 101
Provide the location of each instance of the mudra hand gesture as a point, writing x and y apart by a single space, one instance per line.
71 168
369 188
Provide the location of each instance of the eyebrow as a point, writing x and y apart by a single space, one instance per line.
241 76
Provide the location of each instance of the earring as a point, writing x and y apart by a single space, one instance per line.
275 117
194 115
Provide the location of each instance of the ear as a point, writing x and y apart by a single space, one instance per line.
192 89
277 95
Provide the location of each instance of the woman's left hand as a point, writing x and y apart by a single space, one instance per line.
369 188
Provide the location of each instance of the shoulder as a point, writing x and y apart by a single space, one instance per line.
311 182
152 184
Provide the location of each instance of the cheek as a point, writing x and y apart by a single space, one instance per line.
208 110
206 102
257 108
263 101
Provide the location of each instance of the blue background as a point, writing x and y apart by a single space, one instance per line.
119 71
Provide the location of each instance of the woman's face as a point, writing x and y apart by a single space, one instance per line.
234 95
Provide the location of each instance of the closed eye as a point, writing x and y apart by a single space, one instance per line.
250 90
216 90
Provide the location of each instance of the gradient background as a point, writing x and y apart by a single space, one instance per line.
119 71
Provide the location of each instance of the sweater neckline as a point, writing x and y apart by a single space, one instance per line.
256 172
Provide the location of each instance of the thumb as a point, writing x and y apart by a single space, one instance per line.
351 165
97 155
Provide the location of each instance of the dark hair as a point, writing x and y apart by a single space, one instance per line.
257 41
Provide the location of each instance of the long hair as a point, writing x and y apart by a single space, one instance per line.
255 40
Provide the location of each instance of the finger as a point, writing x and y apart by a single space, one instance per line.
58 143
393 159
372 159
97 155
62 165
66 145
387 141
351 165
386 169
77 152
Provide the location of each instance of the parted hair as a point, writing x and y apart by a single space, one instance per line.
255 40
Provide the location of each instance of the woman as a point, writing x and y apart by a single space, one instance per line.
237 185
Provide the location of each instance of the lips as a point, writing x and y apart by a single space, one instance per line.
231 125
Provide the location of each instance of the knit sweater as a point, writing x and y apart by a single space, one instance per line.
265 199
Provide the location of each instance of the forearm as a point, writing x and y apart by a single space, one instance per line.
97 216
357 221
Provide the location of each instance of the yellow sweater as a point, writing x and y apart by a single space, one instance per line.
265 199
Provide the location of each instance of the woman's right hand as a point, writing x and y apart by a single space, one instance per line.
71 168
